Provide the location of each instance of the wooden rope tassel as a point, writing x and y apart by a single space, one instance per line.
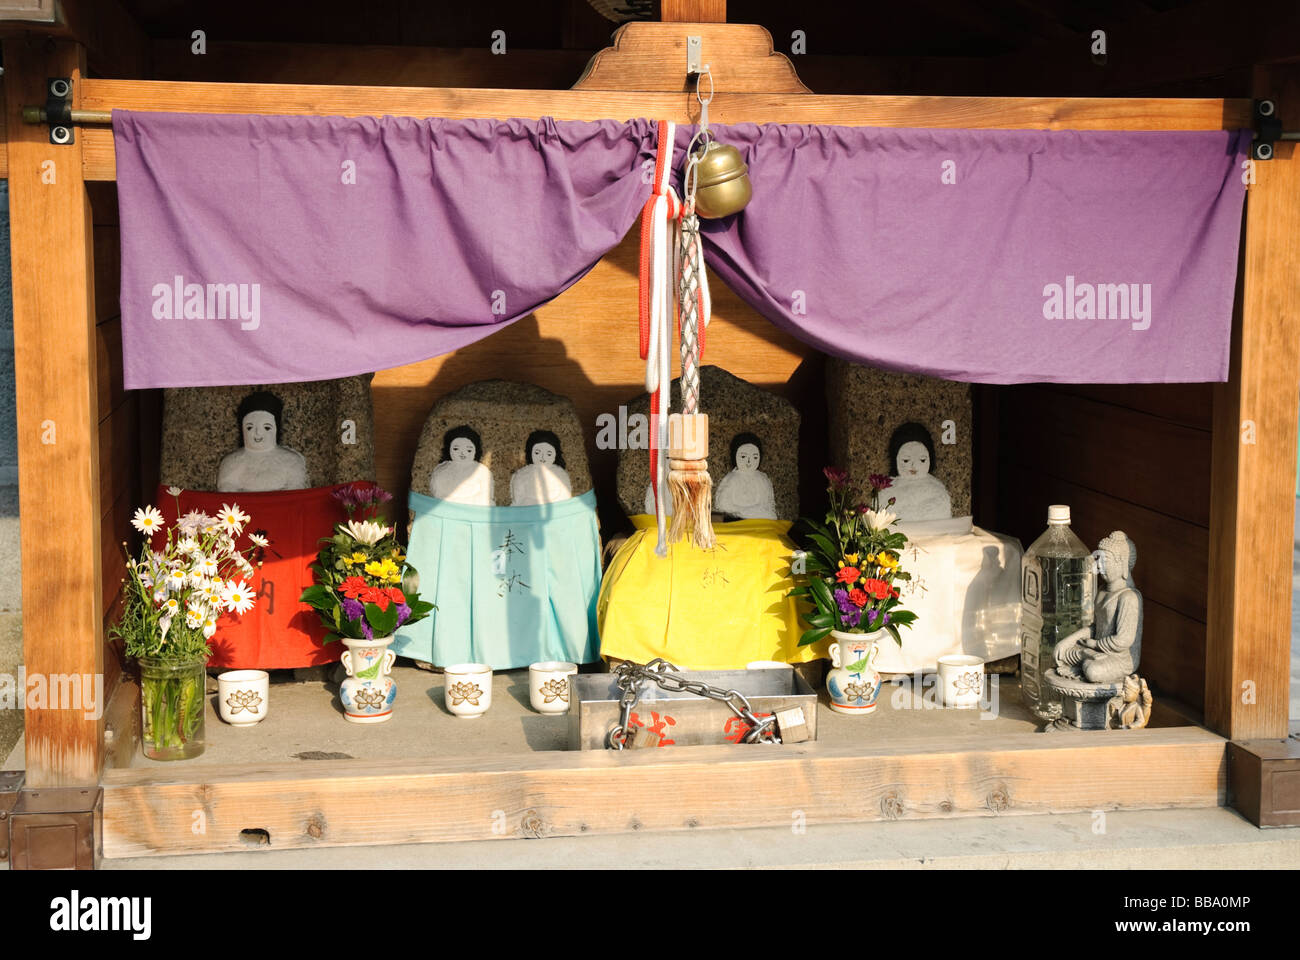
689 483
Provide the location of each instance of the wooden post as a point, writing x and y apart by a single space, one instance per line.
693 11
1252 475
58 453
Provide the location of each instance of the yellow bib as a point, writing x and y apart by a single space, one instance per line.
704 609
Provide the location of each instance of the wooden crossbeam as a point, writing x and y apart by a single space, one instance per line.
969 112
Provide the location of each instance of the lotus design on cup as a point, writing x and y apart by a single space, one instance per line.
240 700
464 693
553 690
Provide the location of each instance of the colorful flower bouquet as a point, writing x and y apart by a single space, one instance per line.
364 587
173 599
853 564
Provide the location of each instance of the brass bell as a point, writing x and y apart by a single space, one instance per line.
723 186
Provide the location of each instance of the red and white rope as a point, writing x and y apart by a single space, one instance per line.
659 221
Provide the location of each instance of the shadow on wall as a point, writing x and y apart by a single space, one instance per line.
10 567
8 419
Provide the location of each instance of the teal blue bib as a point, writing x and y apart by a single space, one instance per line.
513 585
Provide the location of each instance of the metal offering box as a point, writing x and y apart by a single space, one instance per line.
680 718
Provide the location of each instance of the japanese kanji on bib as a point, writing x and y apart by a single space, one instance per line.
279 632
513 585
714 609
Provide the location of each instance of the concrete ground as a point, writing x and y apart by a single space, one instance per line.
1295 625
11 614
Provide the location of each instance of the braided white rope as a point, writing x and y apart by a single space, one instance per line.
688 288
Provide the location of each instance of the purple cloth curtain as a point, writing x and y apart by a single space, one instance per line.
992 256
272 249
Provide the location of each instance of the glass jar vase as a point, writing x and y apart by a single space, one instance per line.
172 708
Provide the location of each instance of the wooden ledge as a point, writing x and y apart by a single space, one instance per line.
186 809
650 56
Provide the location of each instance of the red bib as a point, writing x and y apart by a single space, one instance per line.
279 632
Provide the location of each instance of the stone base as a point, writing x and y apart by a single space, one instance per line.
1088 706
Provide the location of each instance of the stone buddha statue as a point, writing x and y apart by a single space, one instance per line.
1110 649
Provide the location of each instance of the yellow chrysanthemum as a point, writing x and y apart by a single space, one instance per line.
359 557
852 559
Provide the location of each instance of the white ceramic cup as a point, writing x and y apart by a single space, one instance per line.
767 665
467 689
961 678
548 685
243 696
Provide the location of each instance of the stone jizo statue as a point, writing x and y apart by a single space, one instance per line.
1110 649
261 462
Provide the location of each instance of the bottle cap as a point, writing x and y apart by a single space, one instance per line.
1058 513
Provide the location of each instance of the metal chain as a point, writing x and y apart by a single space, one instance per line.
632 677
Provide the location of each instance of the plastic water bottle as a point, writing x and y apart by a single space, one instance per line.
1057 585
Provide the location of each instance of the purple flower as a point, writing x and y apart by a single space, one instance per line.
403 611
365 629
346 496
881 482
838 477
851 617
885 622
352 608
871 616
843 602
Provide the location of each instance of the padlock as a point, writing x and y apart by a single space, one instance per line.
792 725
644 737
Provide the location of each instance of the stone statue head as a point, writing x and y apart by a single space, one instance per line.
258 420
1116 556
461 443
543 446
746 451
911 451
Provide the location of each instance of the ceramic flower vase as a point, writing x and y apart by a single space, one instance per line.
852 681
368 692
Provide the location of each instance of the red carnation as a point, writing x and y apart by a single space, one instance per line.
877 588
353 587
377 596
848 574
859 597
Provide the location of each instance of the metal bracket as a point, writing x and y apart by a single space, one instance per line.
1268 130
694 56
58 110
11 781
57 828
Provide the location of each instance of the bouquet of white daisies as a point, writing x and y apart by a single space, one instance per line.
175 595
